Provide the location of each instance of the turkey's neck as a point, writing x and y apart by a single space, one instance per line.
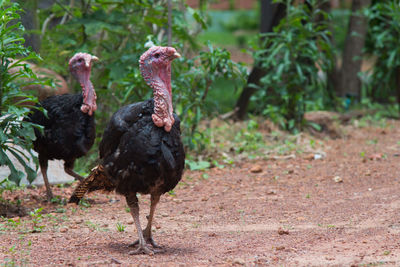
88 93
163 110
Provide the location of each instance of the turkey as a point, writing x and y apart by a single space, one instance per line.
69 127
141 149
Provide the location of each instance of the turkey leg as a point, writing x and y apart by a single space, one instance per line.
147 231
43 163
132 202
68 168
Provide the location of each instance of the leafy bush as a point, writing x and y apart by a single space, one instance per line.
16 135
116 32
383 43
292 55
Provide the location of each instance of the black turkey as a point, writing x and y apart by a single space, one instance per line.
141 149
69 127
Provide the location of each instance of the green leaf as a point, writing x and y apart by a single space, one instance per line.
198 165
30 173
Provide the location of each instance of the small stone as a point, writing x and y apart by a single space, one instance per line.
79 221
204 199
130 222
309 157
317 156
239 261
282 231
164 215
280 248
212 234
64 230
337 179
271 192
73 227
113 217
158 227
256 169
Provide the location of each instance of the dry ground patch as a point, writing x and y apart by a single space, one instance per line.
340 210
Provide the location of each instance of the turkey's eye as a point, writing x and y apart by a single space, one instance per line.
156 55
80 60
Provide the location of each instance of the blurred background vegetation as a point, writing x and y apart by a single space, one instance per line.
275 60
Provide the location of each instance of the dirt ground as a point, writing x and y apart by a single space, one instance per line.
340 210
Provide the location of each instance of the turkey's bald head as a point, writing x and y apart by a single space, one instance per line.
80 66
155 66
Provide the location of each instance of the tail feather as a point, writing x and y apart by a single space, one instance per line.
97 180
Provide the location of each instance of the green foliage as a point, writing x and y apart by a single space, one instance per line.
116 32
384 43
37 220
198 165
248 139
16 135
193 82
120 227
292 56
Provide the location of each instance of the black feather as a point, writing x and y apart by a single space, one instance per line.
68 132
138 156
168 157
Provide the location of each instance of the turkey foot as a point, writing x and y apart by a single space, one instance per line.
149 240
142 249
43 168
147 231
132 202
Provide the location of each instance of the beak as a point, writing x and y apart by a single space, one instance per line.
176 55
92 58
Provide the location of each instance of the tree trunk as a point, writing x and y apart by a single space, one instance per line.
349 83
271 14
30 20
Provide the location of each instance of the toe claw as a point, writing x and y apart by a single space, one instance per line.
142 250
153 243
133 244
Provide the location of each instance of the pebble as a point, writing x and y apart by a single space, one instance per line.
64 230
337 179
282 231
271 192
239 261
256 169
